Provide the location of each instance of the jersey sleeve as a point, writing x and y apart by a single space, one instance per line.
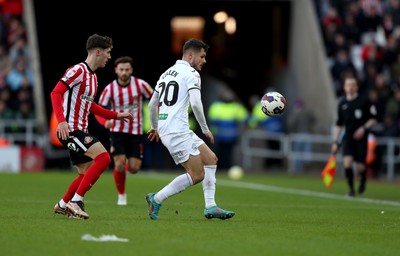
105 95
73 76
197 107
146 89
340 117
153 110
193 80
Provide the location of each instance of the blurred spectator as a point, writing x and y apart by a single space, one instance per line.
351 31
394 70
353 9
25 110
332 17
392 7
373 96
368 79
371 14
392 107
5 95
20 76
20 49
330 26
340 65
15 30
387 25
390 52
383 88
5 111
339 43
227 118
391 126
5 65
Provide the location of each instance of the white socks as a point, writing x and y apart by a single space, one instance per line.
62 204
176 186
77 198
209 185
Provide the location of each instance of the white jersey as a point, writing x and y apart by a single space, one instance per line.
173 88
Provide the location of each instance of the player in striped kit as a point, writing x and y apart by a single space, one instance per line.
178 88
72 102
126 93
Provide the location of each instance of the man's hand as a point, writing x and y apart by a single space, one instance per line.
210 136
334 148
63 130
125 116
153 134
359 133
108 124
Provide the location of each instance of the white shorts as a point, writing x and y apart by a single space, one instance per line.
181 146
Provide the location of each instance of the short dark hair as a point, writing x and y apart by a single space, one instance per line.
195 44
123 59
98 41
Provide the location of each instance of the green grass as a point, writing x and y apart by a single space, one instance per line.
275 215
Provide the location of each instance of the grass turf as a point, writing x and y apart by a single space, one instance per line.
275 215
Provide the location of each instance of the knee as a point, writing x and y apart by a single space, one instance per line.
119 166
213 160
134 170
104 159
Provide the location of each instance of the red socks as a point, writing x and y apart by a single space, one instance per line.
120 178
72 188
101 162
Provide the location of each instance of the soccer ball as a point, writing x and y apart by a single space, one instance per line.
235 172
273 104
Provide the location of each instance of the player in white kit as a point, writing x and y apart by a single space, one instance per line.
178 88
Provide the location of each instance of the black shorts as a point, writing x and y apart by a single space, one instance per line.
78 143
356 148
130 145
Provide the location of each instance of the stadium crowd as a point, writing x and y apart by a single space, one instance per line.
362 38
16 76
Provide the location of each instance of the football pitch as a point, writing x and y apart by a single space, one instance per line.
276 214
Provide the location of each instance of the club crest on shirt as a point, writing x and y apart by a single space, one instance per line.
70 73
87 139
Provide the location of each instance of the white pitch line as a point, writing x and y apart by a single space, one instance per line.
293 191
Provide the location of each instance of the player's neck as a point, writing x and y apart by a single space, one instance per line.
91 62
351 96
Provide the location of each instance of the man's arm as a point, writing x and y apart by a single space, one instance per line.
198 111
108 114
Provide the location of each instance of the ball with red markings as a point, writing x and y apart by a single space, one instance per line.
273 104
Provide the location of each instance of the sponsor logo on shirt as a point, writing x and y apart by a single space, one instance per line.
162 116
87 98
127 107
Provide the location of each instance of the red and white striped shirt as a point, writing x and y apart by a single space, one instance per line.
82 82
127 98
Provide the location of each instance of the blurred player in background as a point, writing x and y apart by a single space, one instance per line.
178 88
356 115
72 101
126 93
